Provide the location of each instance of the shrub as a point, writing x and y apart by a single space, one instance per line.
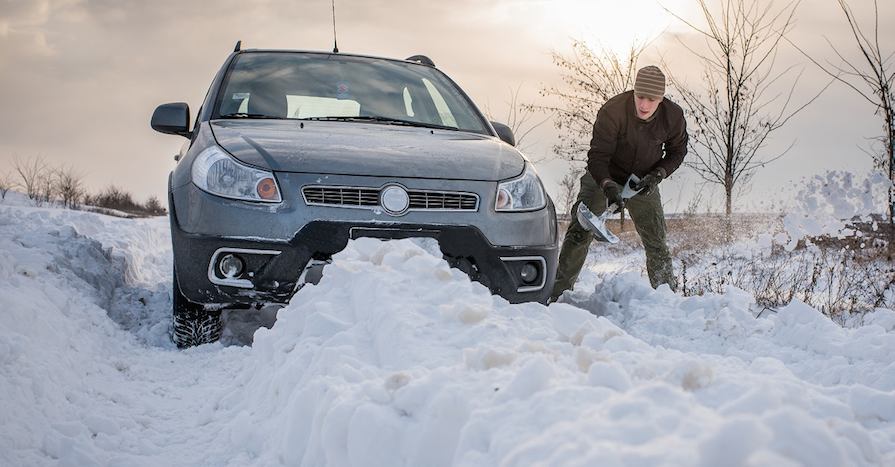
115 198
838 276
154 207
69 187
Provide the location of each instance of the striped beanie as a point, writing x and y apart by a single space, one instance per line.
650 82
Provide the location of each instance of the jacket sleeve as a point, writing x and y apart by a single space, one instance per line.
675 146
602 146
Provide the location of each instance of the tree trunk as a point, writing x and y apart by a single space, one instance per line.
890 161
728 195
728 209
891 179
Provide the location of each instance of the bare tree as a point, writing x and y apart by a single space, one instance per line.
569 188
6 184
590 79
70 187
33 173
873 78
738 110
695 201
47 188
521 118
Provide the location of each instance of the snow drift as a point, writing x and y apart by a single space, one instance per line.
396 359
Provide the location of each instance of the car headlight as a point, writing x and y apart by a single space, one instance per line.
524 193
219 174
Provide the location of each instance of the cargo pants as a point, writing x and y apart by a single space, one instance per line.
649 221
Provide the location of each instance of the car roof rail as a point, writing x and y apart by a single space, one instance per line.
238 46
421 59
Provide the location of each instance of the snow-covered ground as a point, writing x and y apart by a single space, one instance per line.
395 359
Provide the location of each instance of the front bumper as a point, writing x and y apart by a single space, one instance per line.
276 266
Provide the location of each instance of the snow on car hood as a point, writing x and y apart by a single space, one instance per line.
351 148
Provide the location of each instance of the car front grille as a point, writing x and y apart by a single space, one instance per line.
341 196
363 197
437 200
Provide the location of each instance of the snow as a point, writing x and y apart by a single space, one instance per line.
827 202
395 359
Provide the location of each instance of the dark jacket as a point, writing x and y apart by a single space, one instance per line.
624 144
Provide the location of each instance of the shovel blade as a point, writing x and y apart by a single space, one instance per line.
595 224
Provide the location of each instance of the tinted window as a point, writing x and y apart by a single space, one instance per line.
301 85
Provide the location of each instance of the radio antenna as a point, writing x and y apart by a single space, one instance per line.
335 42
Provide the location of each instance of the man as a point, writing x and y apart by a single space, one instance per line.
636 132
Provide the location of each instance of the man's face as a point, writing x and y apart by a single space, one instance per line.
646 106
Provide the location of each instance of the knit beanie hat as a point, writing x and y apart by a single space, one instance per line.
650 82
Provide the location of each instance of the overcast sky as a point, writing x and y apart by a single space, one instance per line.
79 79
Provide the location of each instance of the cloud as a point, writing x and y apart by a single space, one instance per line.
80 78
21 13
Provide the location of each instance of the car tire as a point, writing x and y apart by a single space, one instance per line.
192 325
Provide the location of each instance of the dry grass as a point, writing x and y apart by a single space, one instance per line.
839 276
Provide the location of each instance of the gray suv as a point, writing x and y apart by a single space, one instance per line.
294 153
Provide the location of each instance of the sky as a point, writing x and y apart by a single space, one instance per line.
79 79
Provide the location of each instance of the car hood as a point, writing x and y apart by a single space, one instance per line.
372 149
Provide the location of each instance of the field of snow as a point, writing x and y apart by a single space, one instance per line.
395 359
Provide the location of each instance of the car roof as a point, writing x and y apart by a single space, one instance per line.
414 60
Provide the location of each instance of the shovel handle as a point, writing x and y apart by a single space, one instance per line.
612 208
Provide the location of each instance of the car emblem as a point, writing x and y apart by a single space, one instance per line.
394 200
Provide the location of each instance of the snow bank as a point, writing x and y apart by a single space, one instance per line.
414 365
396 359
78 387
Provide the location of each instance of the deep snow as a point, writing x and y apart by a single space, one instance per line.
396 359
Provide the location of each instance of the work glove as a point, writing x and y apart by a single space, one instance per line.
613 191
650 181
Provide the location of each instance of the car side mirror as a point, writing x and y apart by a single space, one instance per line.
172 119
504 133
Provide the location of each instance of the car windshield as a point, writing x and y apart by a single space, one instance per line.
317 86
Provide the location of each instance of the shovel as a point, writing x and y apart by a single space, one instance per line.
597 224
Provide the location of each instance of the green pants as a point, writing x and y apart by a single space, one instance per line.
649 220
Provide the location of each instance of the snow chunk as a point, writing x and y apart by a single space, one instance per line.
737 442
692 375
466 313
487 358
609 375
534 376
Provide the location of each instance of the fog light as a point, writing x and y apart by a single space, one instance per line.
231 266
529 273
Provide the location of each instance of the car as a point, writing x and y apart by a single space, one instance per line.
294 153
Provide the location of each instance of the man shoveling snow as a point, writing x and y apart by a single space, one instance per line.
637 133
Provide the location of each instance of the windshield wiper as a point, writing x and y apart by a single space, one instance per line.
381 119
248 115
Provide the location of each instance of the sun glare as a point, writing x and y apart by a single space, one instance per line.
614 24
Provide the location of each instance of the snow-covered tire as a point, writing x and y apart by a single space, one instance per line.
192 324
196 328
